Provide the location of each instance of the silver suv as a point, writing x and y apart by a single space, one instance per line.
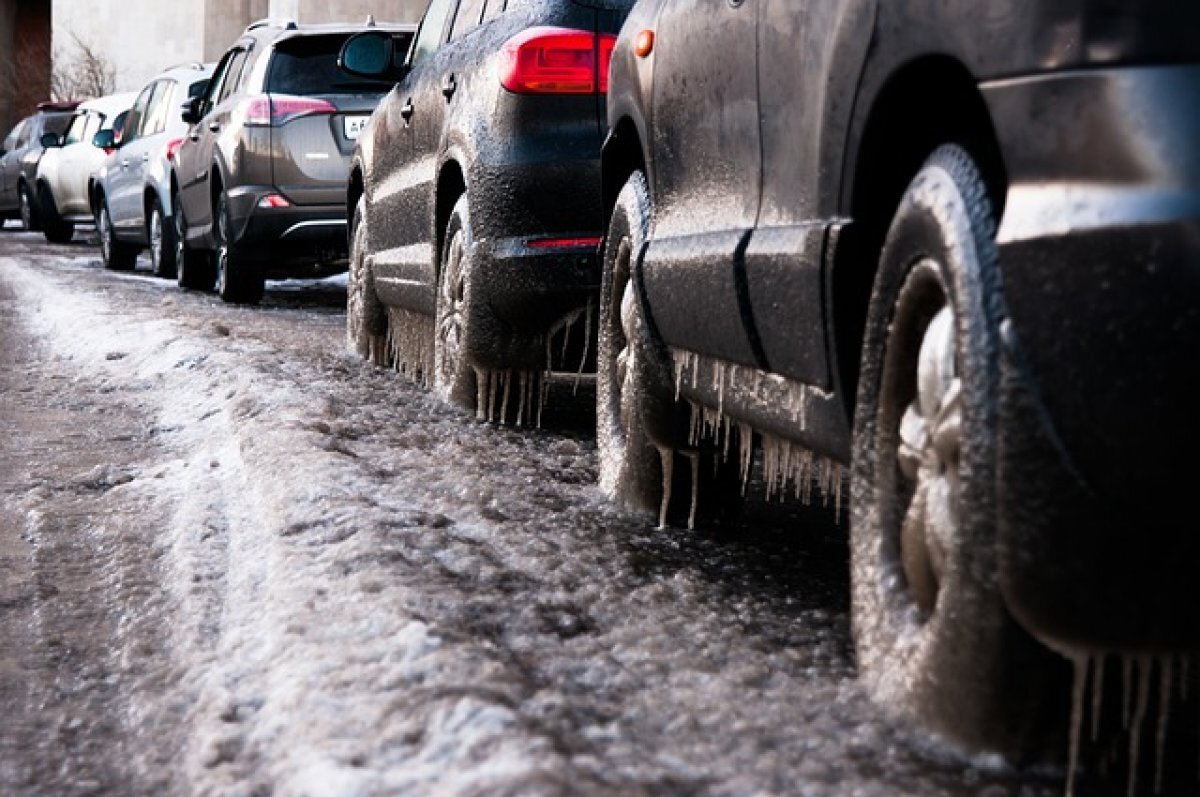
130 193
261 176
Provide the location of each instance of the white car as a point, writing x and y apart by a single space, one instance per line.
68 163
131 191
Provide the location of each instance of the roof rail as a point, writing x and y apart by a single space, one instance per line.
272 22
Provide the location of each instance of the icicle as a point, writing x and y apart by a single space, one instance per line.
587 345
480 393
1080 665
506 381
410 340
1127 697
1164 706
667 458
523 392
694 458
1097 696
493 388
1139 716
746 453
837 494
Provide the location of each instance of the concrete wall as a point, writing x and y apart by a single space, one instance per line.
142 37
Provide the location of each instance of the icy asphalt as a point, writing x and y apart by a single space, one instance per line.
237 560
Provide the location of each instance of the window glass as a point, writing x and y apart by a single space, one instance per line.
218 80
307 65
75 131
10 143
133 122
235 71
467 18
433 29
55 123
494 9
160 107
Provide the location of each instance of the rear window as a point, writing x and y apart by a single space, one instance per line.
56 123
307 65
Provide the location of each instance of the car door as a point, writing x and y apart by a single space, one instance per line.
124 187
810 59
409 144
706 176
197 158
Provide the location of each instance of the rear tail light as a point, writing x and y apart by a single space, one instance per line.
172 148
276 109
548 60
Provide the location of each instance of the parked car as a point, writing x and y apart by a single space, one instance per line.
934 253
67 165
260 179
130 193
19 156
475 194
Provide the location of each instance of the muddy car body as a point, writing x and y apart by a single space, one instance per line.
477 193
932 253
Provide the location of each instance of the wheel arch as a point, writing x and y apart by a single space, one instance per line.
355 188
621 156
451 184
923 104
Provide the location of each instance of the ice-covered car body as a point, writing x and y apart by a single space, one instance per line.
493 134
943 259
19 155
66 167
130 192
260 179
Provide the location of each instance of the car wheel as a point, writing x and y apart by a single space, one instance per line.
366 319
160 234
453 374
28 210
628 383
934 640
193 270
54 227
238 282
116 255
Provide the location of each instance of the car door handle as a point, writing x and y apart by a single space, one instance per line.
124 163
214 126
145 157
449 86
407 110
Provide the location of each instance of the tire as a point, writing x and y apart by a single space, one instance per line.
54 227
160 235
238 282
934 641
366 318
117 256
193 269
27 210
453 374
629 374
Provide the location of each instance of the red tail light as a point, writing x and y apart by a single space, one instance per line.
548 60
276 109
172 148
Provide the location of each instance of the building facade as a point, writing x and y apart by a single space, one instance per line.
24 59
142 37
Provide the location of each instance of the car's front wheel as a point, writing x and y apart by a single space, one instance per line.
56 229
238 281
933 637
453 374
117 256
27 209
160 233
193 269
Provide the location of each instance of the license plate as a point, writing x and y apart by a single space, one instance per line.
353 125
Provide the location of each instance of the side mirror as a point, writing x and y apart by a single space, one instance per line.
370 54
192 110
105 139
49 140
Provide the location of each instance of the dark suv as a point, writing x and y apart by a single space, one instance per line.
475 195
260 179
19 156
946 254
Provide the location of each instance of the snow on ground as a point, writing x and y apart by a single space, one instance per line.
372 594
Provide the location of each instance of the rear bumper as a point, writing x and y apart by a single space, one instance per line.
528 294
1100 260
291 239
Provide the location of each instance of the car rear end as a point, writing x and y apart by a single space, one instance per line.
1102 224
546 109
301 129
